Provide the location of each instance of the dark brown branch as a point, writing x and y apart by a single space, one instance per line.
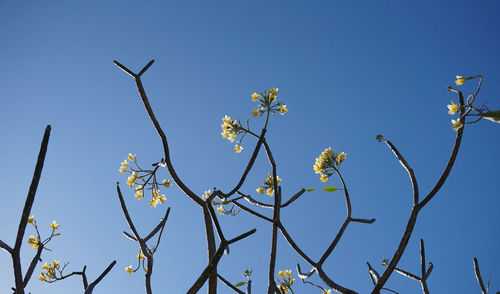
210 208
214 261
294 245
332 284
5 247
30 198
252 211
92 285
264 205
407 167
142 244
206 215
362 220
276 219
422 258
33 264
478 276
159 226
227 283
129 236
84 278
416 207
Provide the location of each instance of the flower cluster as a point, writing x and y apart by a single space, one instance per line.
268 185
267 103
328 163
35 242
50 271
453 108
285 281
230 130
144 179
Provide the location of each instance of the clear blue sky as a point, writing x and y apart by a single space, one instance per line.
347 70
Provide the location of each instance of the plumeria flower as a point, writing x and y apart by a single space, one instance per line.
456 124
167 183
220 209
260 190
32 240
54 225
460 80
327 291
31 219
255 112
237 148
206 194
282 109
270 191
129 269
131 157
452 108
255 96
140 255
139 194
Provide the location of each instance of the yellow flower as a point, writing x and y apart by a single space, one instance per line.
162 198
131 157
323 178
167 183
41 277
46 266
54 225
237 148
206 195
140 255
260 190
153 202
220 209
55 263
255 96
33 241
226 119
231 137
255 112
122 170
139 195
270 191
224 134
274 91
130 182
288 273
138 188
129 269
282 109
460 80
456 124
281 274
327 292
31 219
124 163
452 108
341 157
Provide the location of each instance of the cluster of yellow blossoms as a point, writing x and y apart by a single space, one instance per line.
328 163
453 108
230 130
266 101
285 281
268 185
50 271
33 241
143 178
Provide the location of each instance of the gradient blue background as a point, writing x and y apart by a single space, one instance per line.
347 70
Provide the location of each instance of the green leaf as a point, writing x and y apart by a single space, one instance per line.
309 189
240 284
225 202
493 115
330 189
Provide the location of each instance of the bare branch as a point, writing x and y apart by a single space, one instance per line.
159 226
5 247
92 285
227 283
33 264
478 276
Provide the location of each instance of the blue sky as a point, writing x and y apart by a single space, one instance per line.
347 70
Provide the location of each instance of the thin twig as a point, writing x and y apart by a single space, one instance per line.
227 283
478 276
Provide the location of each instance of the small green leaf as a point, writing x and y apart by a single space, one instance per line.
493 115
225 202
240 284
330 189
310 189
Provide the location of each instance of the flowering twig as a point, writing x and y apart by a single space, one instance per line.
148 253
